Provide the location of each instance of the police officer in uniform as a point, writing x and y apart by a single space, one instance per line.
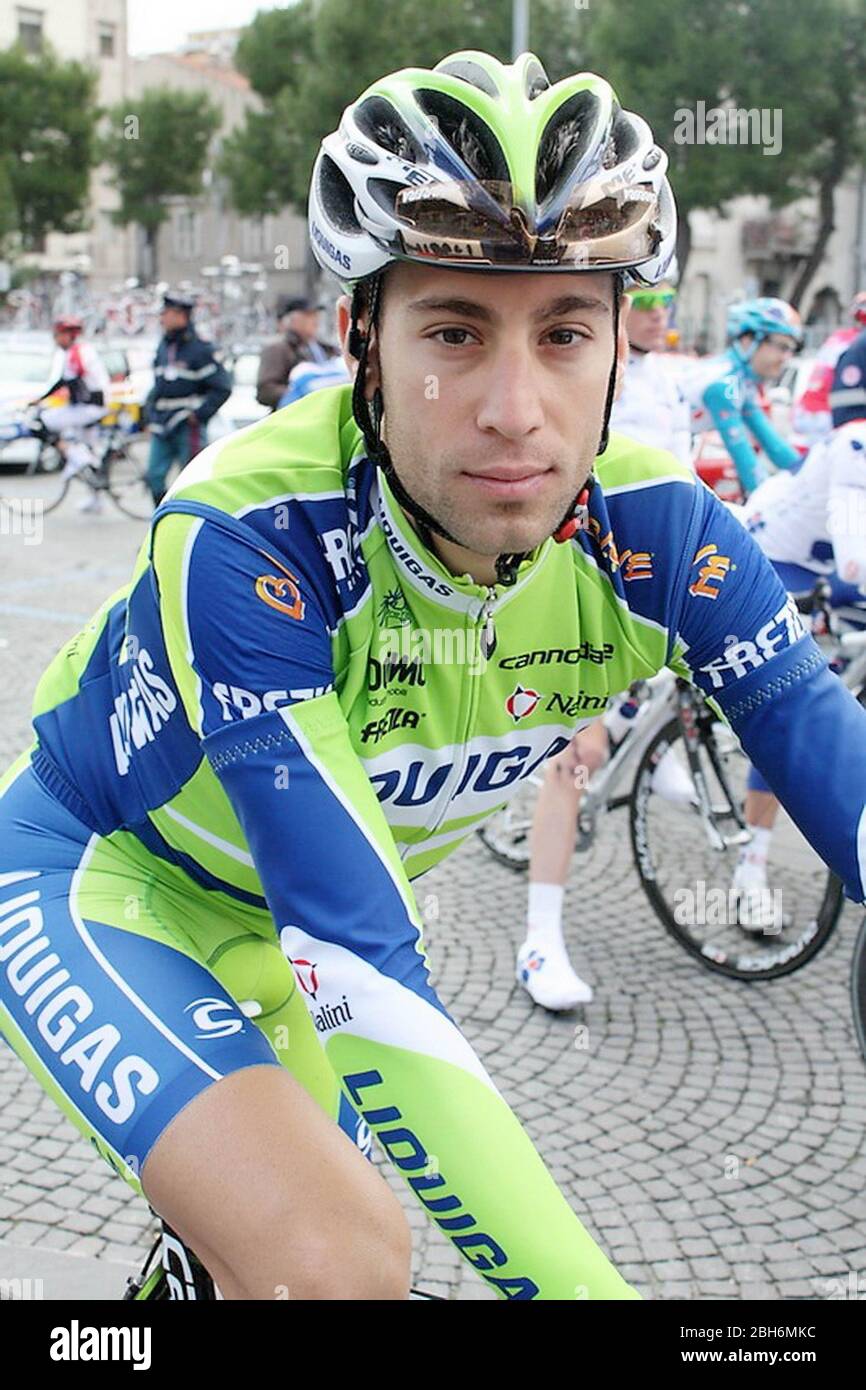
190 385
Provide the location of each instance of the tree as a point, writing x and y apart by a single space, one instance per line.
47 144
702 46
157 152
800 57
308 62
819 48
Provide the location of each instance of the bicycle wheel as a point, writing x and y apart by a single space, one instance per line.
506 833
126 479
688 881
55 491
49 458
858 987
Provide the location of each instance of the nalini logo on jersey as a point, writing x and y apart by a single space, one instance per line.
305 970
329 1016
713 572
281 592
521 702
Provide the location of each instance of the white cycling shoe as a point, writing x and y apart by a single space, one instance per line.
758 908
545 972
91 504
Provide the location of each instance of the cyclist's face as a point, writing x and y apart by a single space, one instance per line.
494 389
647 328
772 356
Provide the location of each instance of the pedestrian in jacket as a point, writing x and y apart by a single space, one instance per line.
190 385
299 323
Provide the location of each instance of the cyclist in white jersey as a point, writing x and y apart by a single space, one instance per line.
810 524
650 407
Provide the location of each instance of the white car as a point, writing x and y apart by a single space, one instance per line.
241 408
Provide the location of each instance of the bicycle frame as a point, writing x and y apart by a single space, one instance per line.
600 794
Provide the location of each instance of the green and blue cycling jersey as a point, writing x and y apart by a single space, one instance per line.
292 712
723 395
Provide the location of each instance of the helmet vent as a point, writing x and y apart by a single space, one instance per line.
466 133
537 81
337 198
624 136
385 191
383 124
565 141
470 72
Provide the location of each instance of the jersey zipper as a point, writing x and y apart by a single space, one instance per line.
487 640
484 629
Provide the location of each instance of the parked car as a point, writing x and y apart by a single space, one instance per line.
241 408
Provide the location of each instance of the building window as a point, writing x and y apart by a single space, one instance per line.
187 233
30 30
106 40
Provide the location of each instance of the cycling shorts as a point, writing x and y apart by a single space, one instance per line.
126 989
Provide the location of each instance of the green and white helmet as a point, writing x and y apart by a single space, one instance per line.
485 165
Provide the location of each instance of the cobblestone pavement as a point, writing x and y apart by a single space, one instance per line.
709 1133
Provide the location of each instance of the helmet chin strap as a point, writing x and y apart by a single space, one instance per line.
368 415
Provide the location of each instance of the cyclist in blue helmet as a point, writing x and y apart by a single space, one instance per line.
723 394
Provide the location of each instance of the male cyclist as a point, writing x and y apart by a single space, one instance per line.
353 628
811 524
812 415
650 407
78 372
762 335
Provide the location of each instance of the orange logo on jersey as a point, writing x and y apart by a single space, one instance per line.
715 570
274 590
637 564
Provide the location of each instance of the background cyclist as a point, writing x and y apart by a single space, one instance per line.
762 335
650 407
78 373
812 418
811 524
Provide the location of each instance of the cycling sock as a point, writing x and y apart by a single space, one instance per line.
757 851
545 907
